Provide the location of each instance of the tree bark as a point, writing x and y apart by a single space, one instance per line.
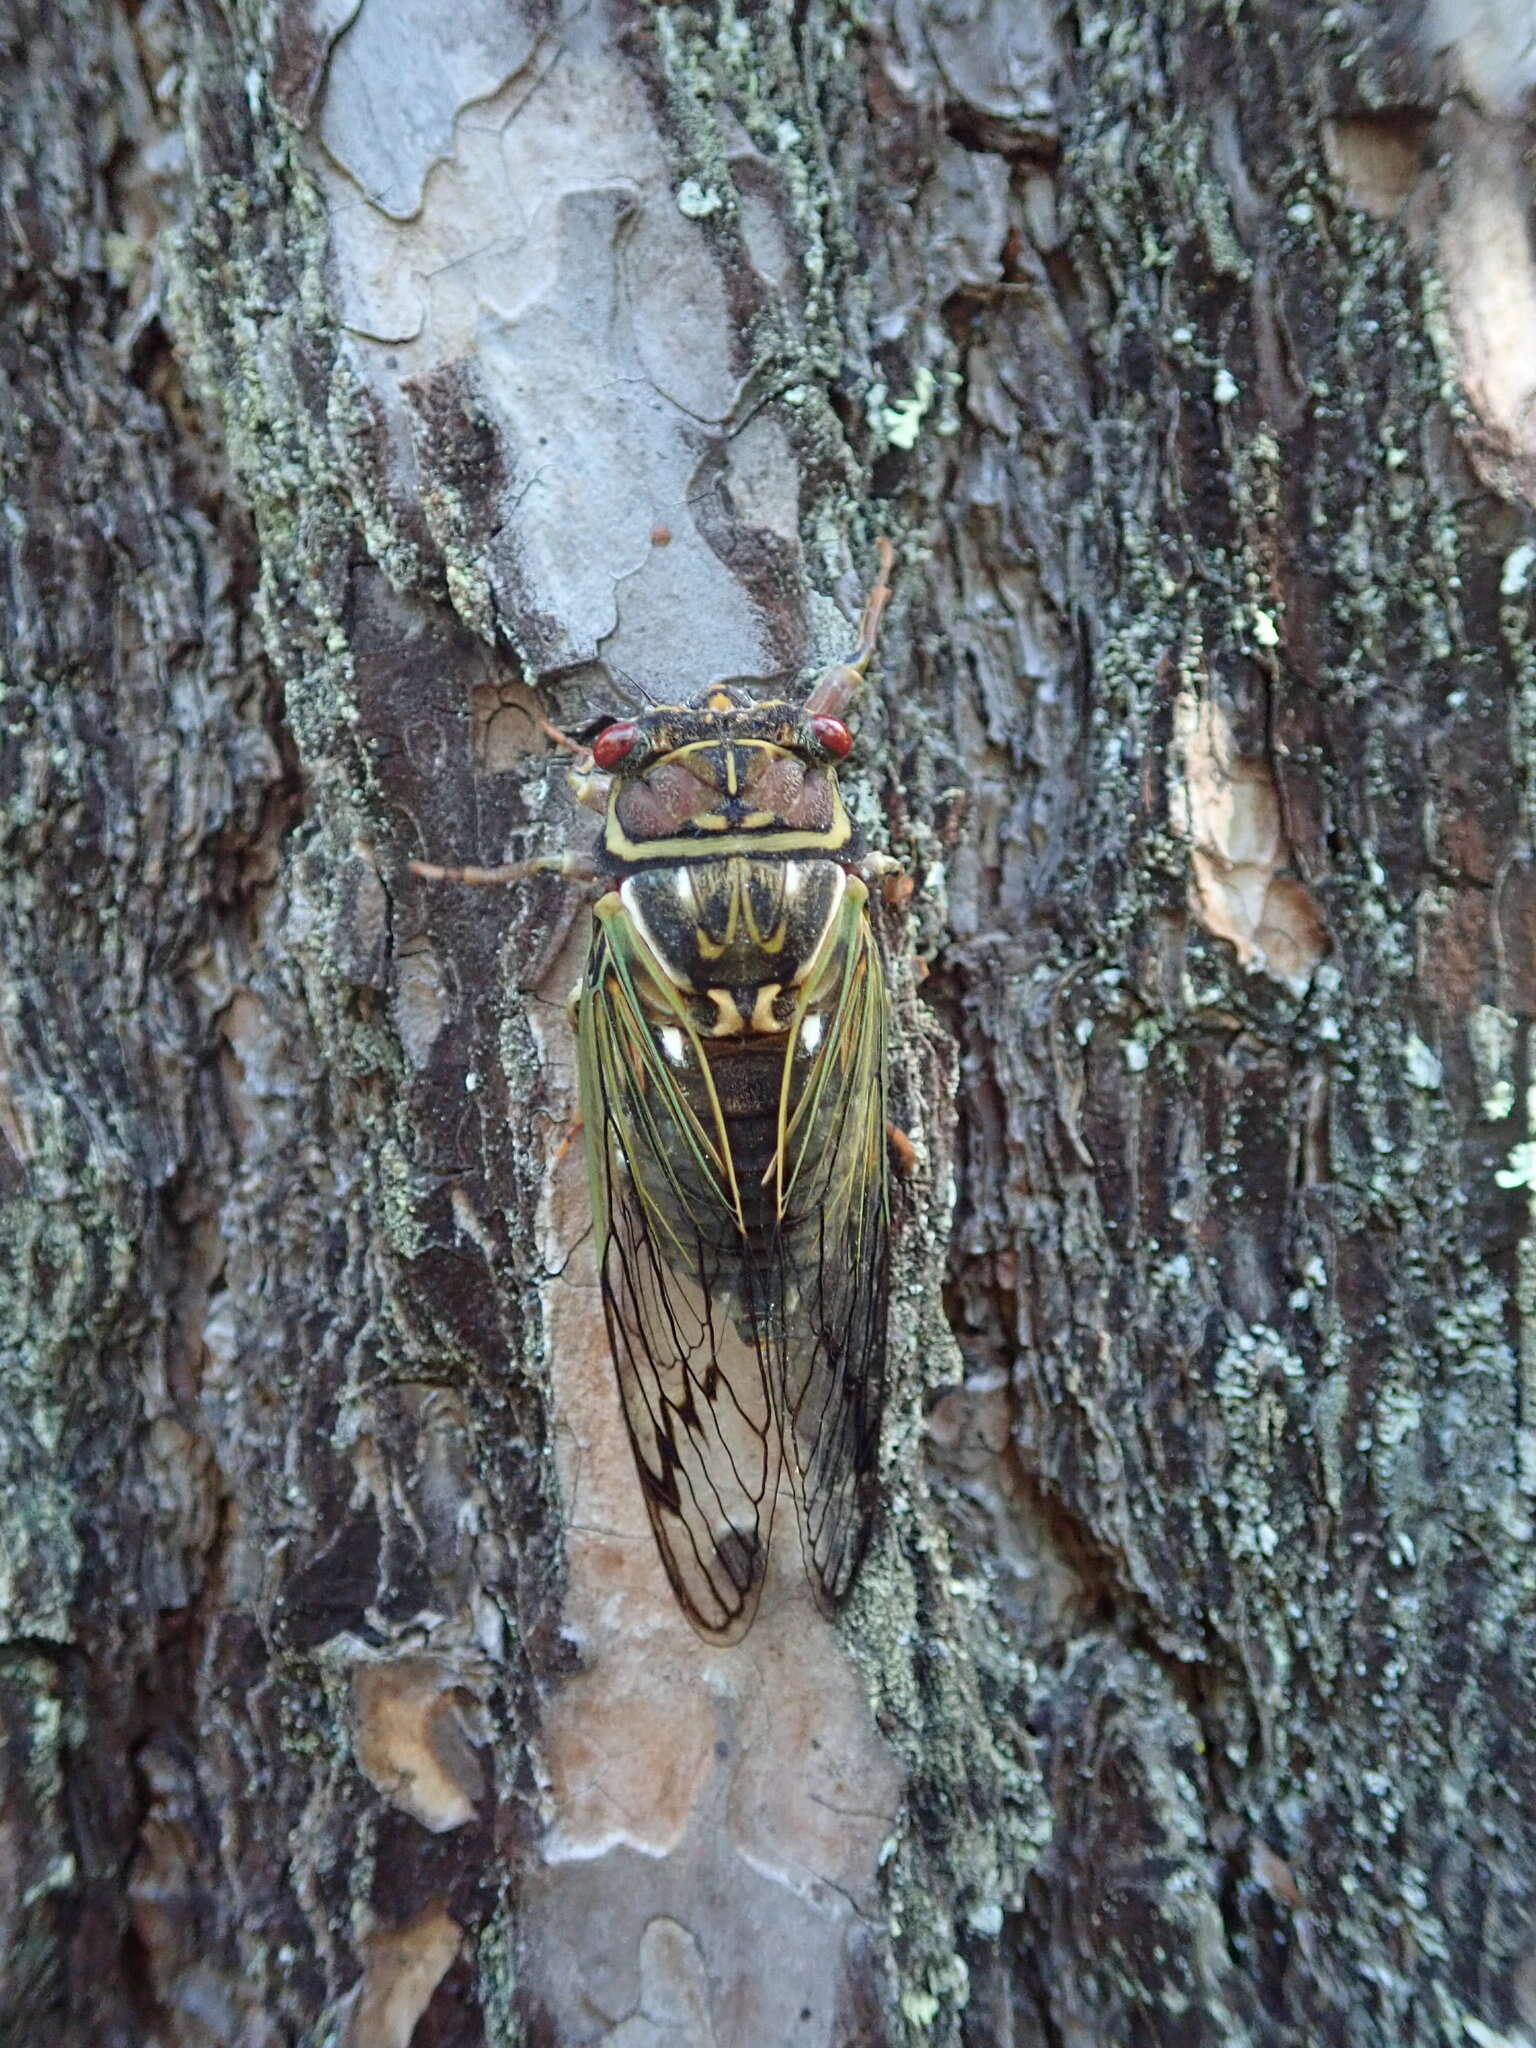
383 378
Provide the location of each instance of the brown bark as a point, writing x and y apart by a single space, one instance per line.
378 381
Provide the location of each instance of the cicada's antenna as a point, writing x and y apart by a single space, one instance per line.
835 685
634 683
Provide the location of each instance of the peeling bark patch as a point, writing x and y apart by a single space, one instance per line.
404 1967
420 1005
1226 806
674 1993
386 122
360 933
303 34
506 729
1492 43
412 1741
521 225
1483 243
1484 252
1000 62
1377 159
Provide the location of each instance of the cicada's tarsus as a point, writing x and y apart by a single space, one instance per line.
732 1026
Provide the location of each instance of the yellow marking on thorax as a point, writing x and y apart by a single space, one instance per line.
763 1018
740 913
766 942
729 1022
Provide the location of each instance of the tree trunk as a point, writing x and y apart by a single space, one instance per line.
383 377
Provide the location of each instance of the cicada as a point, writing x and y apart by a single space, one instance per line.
732 1029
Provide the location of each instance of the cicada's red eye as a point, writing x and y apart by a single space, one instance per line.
613 743
833 734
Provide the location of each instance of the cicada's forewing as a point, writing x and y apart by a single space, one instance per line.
825 1298
692 1369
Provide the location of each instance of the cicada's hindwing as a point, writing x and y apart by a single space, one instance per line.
732 1031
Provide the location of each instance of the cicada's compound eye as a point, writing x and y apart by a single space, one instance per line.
614 742
832 734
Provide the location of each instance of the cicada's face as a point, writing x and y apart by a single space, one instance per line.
723 774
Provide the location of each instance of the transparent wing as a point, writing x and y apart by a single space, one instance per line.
689 1353
823 1281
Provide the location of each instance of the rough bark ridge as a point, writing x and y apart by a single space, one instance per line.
371 388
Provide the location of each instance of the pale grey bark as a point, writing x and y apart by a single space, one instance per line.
382 377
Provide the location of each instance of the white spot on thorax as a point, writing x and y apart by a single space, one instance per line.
674 1045
682 881
810 1033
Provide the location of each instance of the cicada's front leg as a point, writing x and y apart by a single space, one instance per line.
589 788
835 685
570 867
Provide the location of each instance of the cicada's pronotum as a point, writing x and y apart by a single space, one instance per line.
731 1027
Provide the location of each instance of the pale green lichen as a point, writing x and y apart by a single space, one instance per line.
1516 572
694 202
899 422
1520 1171
1421 1064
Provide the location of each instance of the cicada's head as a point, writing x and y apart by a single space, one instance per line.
724 768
